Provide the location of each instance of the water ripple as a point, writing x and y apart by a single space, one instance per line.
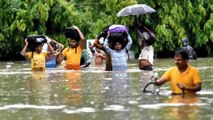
158 106
80 110
22 106
114 108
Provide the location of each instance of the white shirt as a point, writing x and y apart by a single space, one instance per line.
45 47
147 53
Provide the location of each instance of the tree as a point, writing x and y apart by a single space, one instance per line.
172 21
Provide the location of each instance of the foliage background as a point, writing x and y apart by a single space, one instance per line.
172 21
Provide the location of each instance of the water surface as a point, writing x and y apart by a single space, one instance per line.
94 94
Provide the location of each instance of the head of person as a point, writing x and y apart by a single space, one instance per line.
185 41
117 46
73 35
38 46
73 43
181 58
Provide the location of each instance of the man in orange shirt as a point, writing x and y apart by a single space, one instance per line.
72 54
184 78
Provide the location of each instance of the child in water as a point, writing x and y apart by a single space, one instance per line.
37 57
99 57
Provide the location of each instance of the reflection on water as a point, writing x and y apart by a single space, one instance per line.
97 94
117 88
74 87
189 110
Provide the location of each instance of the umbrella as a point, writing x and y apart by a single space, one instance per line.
135 10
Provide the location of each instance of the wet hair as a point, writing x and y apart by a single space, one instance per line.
182 52
120 37
72 33
38 43
113 44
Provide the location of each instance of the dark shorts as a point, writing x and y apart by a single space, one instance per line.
148 67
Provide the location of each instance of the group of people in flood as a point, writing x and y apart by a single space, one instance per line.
112 45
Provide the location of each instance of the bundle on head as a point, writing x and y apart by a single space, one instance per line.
35 40
118 37
72 33
147 35
104 32
118 33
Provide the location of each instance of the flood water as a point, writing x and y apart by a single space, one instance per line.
94 94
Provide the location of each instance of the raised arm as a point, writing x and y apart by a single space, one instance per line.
24 50
56 51
106 46
82 43
97 44
50 48
56 42
129 44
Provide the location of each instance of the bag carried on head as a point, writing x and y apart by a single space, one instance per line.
118 33
103 33
118 37
34 40
72 33
147 35
118 28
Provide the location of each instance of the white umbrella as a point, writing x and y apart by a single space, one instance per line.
135 10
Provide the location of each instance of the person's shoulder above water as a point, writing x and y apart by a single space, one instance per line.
193 68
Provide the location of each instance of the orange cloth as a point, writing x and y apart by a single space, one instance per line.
74 84
73 57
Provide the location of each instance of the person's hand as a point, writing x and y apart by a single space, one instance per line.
75 27
181 86
154 77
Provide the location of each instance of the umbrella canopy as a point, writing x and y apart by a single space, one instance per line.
135 10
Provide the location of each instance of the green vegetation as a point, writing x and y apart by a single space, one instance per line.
172 21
